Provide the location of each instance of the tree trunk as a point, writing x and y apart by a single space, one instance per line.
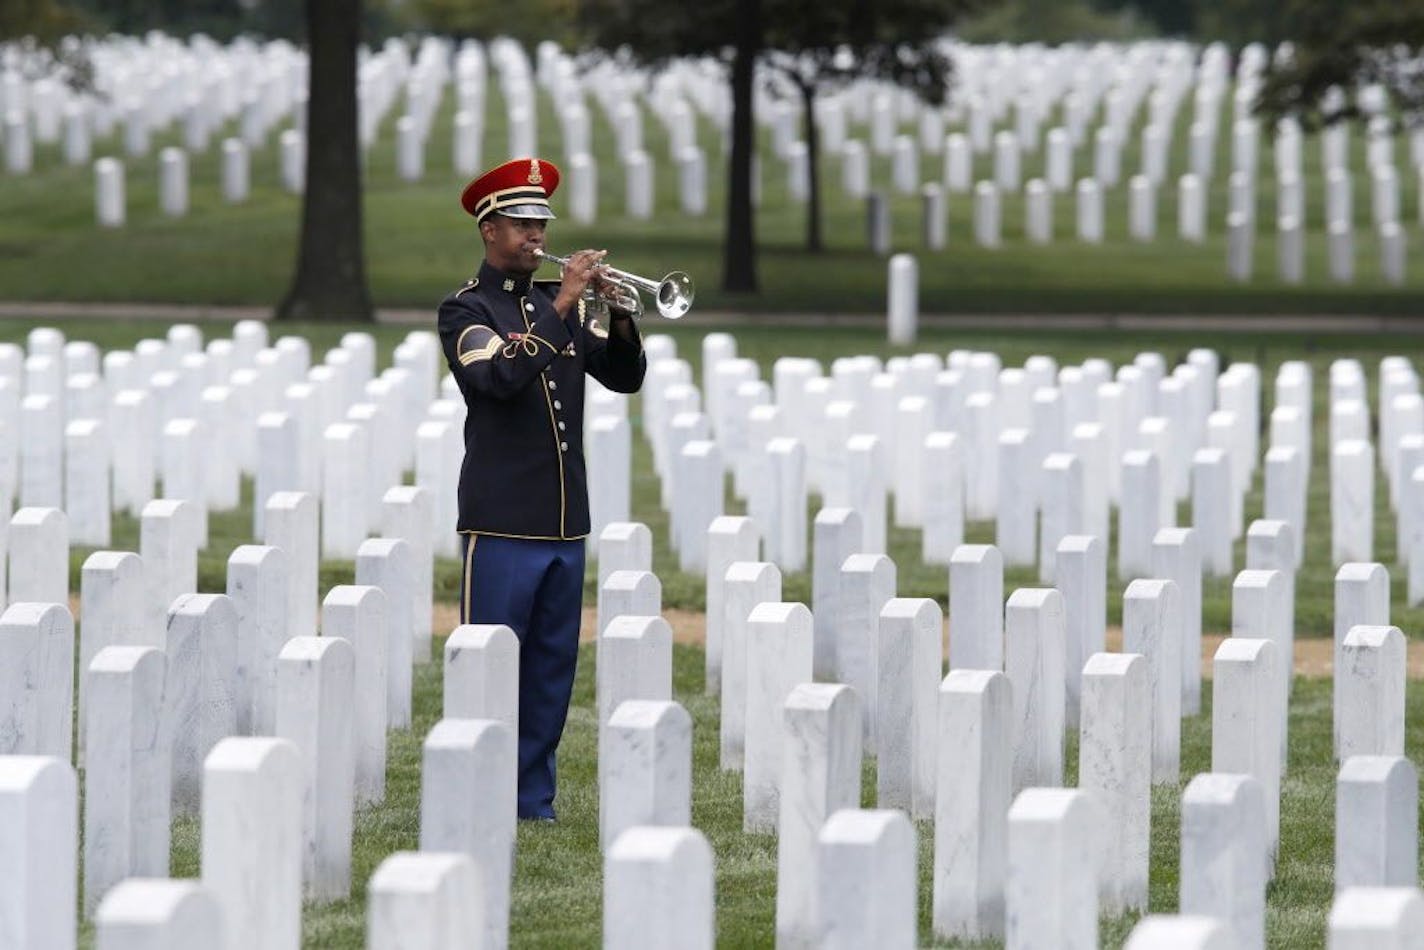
739 250
813 168
330 283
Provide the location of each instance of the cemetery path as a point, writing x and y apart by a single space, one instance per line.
1216 323
1314 656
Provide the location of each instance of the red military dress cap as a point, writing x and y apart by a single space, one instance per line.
520 188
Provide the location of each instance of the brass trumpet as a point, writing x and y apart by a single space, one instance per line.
673 294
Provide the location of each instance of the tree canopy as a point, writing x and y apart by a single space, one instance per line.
43 21
536 20
1346 46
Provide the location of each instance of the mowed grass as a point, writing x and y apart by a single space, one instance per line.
420 244
557 890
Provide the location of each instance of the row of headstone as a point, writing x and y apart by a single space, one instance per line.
1158 74
157 410
143 88
157 700
678 96
1142 225
1056 445
1075 813
235 176
1117 746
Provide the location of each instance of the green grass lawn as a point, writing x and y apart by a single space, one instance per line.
557 895
420 244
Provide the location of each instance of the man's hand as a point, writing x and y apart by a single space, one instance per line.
583 267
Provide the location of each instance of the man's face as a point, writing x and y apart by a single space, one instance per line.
510 242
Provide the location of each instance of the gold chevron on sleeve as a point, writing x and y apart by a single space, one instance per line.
483 344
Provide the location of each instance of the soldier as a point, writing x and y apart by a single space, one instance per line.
518 348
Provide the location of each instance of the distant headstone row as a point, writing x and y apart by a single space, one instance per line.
1073 124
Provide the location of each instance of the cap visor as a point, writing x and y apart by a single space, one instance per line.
526 211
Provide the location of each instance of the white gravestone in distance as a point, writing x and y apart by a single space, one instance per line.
1376 918
973 791
1377 823
257 586
252 840
1371 701
1051 898
778 659
126 825
158 914
388 564
866 881
467 805
820 774
1361 598
648 776
423 900
867 583
199 692
748 584
976 614
910 657
481 674
1151 626
659 890
36 680
314 692
1246 722
405 514
1033 661
39 811
359 615
1223 849
1115 764
729 540
836 536
1082 580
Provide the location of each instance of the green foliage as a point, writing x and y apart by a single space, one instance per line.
821 45
220 19
1239 22
43 21
1344 45
530 22
1049 21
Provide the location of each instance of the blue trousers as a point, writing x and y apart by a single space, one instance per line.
536 589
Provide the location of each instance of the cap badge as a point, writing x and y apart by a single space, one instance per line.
535 177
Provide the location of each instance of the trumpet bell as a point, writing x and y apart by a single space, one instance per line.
675 295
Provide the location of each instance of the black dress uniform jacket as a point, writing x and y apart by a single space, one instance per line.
520 369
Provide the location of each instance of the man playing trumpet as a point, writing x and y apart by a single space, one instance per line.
518 348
